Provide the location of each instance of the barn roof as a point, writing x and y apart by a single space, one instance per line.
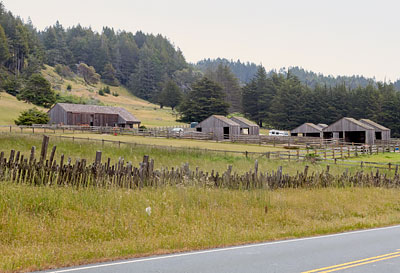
374 124
83 108
307 127
334 126
323 125
226 120
244 121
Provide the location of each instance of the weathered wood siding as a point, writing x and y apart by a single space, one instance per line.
216 127
254 129
57 115
307 129
88 118
347 125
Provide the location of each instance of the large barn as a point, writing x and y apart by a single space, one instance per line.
220 126
350 130
308 130
92 115
247 127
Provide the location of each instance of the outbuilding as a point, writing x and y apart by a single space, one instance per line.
221 127
308 129
350 130
247 127
381 132
91 115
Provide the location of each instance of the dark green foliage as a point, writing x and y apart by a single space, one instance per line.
230 86
4 53
38 91
109 75
12 85
69 87
32 116
115 94
205 99
101 92
171 95
64 71
105 90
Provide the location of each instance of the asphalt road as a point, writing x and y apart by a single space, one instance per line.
366 251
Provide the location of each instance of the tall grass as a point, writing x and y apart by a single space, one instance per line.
43 227
164 157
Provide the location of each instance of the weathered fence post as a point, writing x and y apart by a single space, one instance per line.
43 152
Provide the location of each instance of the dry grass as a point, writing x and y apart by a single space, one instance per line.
150 114
10 108
43 227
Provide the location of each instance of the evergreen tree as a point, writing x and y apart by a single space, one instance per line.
109 75
38 91
171 95
230 86
31 117
4 53
205 99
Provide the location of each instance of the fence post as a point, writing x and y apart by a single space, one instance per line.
246 154
10 128
348 151
390 166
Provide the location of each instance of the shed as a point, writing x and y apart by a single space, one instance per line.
323 125
350 130
381 132
221 127
247 127
308 130
93 115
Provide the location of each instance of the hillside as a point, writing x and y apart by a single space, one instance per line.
150 114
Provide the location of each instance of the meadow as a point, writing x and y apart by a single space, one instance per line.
47 227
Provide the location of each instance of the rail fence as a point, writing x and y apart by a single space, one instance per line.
46 171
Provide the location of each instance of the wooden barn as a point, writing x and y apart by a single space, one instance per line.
247 127
350 130
220 126
92 115
381 132
308 130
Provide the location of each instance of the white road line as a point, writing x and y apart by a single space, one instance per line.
221 249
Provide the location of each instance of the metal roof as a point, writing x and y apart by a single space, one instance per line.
351 120
374 124
302 128
83 108
226 120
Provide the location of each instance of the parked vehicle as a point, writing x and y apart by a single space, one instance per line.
278 133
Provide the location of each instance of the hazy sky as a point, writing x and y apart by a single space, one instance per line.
332 37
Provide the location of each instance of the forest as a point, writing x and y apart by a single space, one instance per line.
152 68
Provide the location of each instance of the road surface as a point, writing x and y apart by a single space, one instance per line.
366 251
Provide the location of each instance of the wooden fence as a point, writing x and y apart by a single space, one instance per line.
83 173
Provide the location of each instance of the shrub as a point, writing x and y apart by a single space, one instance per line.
32 116
101 92
38 91
115 94
107 90
64 71
69 87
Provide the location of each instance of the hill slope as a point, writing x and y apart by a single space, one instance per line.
150 114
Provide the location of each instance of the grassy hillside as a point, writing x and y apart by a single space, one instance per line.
150 114
10 108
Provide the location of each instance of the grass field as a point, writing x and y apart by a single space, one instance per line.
44 227
393 158
164 157
10 108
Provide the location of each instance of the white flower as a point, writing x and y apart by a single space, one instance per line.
148 211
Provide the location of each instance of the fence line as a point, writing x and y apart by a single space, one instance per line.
46 171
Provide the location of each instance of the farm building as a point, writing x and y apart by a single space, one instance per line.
381 132
350 130
247 127
220 126
308 130
323 125
92 115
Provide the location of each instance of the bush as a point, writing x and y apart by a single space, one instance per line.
101 92
69 87
115 94
107 90
11 85
64 71
32 116
38 91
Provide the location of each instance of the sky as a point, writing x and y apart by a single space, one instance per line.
341 37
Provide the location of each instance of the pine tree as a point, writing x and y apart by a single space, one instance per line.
38 91
171 95
109 75
4 53
205 99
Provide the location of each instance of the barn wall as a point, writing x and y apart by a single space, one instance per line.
57 115
253 129
216 126
386 135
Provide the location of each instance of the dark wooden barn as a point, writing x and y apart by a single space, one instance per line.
381 132
92 115
221 127
350 130
308 130
247 127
